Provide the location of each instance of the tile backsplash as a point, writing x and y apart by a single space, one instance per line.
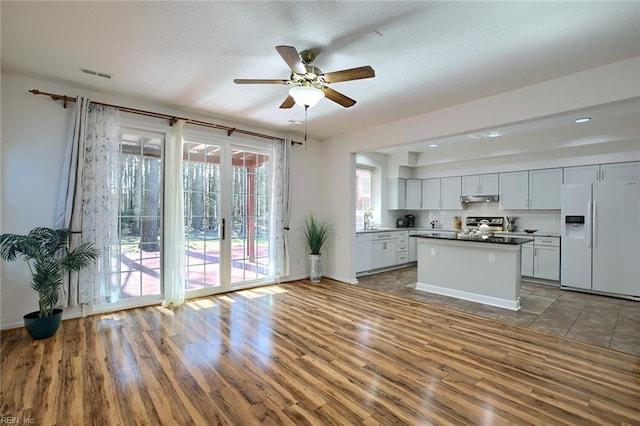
547 221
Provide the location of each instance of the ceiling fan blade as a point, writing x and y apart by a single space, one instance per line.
292 58
350 74
258 81
288 103
338 97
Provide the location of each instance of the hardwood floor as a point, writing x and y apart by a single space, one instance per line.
302 353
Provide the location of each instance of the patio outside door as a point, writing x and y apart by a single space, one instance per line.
227 193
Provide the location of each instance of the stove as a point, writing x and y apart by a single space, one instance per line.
495 223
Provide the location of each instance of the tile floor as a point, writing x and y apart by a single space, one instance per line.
601 320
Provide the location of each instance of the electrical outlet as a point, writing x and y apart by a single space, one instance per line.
297 262
433 251
492 258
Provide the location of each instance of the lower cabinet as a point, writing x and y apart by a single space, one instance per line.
379 250
526 268
541 258
413 247
363 252
383 254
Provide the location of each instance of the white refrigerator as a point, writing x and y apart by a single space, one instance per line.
600 229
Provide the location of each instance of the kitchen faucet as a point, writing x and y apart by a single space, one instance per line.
367 219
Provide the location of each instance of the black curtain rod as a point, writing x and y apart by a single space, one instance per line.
172 118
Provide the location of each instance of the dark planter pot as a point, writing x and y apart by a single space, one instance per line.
42 328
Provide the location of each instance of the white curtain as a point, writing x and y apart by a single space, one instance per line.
88 201
281 199
174 248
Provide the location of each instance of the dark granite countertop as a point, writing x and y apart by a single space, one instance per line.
494 239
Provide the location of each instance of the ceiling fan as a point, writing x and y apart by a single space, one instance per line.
309 83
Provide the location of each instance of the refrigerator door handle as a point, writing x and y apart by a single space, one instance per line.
594 232
589 224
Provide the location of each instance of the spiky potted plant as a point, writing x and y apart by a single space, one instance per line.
316 233
46 252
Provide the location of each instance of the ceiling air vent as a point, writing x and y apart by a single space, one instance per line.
97 73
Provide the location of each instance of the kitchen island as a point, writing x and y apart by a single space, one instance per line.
483 269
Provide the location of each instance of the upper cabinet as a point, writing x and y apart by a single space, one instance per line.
414 194
514 190
602 173
396 194
534 189
544 189
441 193
431 194
450 193
486 184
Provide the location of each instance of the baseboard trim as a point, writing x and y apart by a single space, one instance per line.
473 297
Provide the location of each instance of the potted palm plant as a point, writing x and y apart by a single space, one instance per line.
316 233
46 252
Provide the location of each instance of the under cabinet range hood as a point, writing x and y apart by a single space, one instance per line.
479 198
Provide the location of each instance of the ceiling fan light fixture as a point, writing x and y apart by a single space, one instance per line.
306 96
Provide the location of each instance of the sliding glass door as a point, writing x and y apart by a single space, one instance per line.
227 192
139 271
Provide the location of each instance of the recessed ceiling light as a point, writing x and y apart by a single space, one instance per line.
433 145
494 134
582 120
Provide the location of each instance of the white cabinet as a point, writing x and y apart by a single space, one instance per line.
546 262
534 189
383 253
441 193
414 194
526 266
402 247
413 246
544 189
620 172
450 193
614 172
396 194
486 184
581 174
541 258
514 190
363 252
431 194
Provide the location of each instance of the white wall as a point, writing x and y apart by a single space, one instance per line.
34 130
602 85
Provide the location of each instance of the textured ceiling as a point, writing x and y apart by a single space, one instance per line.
426 55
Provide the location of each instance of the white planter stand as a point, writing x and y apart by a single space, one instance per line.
316 268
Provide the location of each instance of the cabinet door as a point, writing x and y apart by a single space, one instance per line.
450 193
526 263
581 174
514 190
363 254
414 194
544 189
620 172
546 263
470 185
488 184
413 243
396 194
383 254
431 194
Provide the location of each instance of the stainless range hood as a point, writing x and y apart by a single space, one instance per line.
478 198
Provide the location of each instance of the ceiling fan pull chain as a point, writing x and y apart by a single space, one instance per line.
306 107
